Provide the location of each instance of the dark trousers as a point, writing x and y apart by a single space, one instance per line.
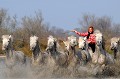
92 45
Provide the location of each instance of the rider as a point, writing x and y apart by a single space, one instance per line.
90 37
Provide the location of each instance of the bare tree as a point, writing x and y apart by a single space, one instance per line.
116 30
33 25
86 21
104 25
4 21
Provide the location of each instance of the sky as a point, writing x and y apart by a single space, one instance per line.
63 13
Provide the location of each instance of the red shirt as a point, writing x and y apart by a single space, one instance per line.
91 38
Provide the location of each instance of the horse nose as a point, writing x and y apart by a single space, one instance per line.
99 42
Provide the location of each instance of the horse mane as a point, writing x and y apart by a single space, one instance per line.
5 36
97 31
72 36
115 39
50 36
119 45
59 48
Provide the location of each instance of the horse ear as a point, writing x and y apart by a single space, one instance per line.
11 37
118 39
85 38
63 42
50 36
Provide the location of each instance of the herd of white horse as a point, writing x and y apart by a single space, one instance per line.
68 57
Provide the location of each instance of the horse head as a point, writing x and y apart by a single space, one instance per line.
98 38
6 41
67 45
52 43
34 46
114 43
33 42
72 41
82 42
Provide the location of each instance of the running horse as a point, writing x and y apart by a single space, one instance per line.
53 48
12 57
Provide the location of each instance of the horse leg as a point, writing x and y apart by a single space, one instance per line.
101 59
95 58
24 60
115 53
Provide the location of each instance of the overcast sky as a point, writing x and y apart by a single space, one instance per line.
63 13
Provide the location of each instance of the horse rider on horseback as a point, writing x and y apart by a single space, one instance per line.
90 37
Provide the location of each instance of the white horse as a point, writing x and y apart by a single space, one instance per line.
56 52
38 57
12 57
73 57
115 46
100 56
35 48
85 55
